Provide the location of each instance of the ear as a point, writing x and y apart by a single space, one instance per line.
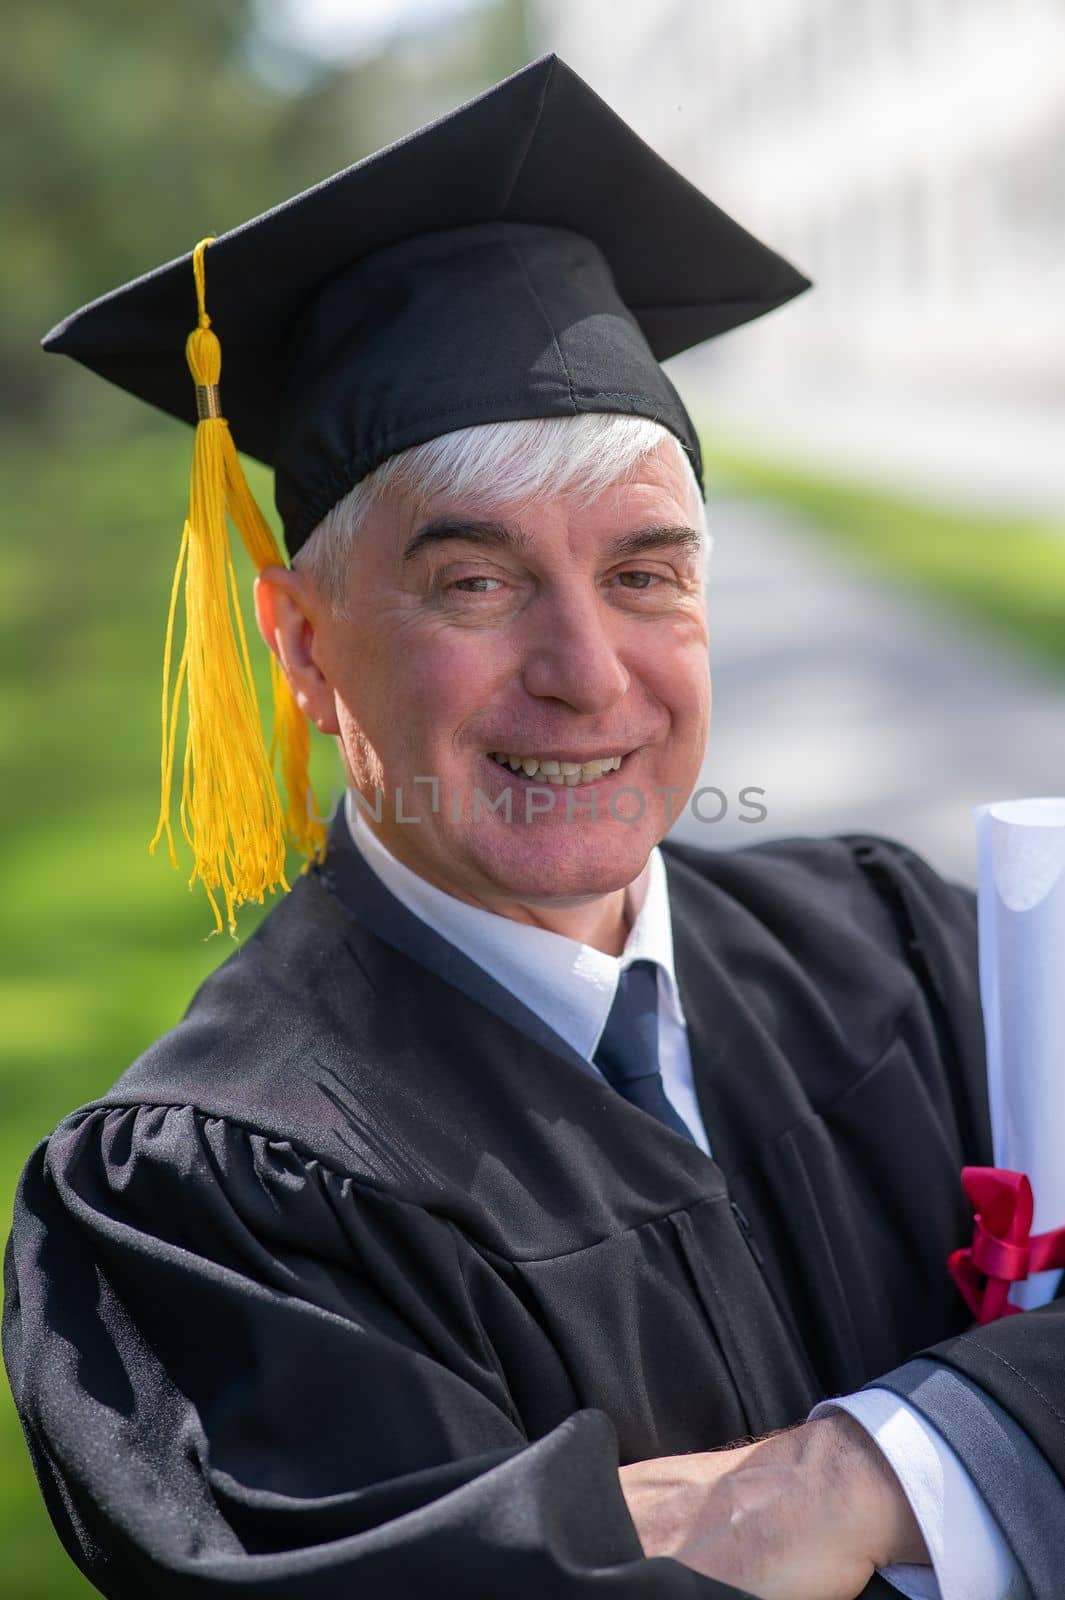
289 613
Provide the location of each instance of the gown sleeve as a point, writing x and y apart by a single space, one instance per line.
997 1394
242 1374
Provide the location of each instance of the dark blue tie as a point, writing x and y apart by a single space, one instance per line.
628 1050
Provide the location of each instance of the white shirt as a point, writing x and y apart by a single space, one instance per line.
572 987
569 984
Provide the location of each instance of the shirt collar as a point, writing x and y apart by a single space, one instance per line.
570 984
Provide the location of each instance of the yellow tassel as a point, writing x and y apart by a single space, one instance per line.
231 813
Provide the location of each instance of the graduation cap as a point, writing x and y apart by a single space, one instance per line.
525 256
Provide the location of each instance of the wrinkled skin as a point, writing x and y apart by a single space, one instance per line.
559 647
807 1514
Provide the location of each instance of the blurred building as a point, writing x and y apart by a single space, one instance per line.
910 156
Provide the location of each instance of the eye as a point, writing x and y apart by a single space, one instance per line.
480 578
648 578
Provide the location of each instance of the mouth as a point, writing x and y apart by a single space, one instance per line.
558 770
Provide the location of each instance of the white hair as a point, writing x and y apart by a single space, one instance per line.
520 461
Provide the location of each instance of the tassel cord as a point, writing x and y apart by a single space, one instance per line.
231 812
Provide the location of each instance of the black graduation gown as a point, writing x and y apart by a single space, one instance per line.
349 1286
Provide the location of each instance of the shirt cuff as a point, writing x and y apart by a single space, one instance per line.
970 1558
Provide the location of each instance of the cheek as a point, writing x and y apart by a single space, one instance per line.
453 675
418 690
677 669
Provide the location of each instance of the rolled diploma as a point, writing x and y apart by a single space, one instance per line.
1021 901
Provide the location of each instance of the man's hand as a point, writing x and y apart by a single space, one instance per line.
807 1514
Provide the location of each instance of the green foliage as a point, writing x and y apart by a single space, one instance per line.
132 128
1009 572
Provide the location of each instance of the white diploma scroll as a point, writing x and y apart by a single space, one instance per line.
1021 846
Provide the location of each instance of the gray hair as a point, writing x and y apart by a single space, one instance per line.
540 456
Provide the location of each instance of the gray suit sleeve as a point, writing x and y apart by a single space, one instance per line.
1020 1488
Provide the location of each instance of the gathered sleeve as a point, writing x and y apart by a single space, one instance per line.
242 1373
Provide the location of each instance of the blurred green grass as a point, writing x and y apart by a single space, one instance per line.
102 944
1007 572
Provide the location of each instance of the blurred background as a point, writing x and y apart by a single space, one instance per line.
886 455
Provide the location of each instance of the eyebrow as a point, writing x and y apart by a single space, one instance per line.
501 535
440 530
661 537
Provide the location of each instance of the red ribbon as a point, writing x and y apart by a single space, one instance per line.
1004 1251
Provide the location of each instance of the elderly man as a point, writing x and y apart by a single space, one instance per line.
522 1162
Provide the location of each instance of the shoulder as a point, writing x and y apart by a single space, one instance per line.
266 1028
259 1115
859 921
861 881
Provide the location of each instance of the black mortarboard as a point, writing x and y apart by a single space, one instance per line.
526 256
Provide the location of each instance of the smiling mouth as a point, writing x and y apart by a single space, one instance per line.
545 769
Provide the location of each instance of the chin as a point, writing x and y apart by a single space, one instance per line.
564 863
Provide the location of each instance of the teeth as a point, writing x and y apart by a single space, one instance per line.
563 772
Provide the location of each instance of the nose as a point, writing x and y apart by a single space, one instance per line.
571 654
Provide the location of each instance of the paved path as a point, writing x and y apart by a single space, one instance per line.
858 706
